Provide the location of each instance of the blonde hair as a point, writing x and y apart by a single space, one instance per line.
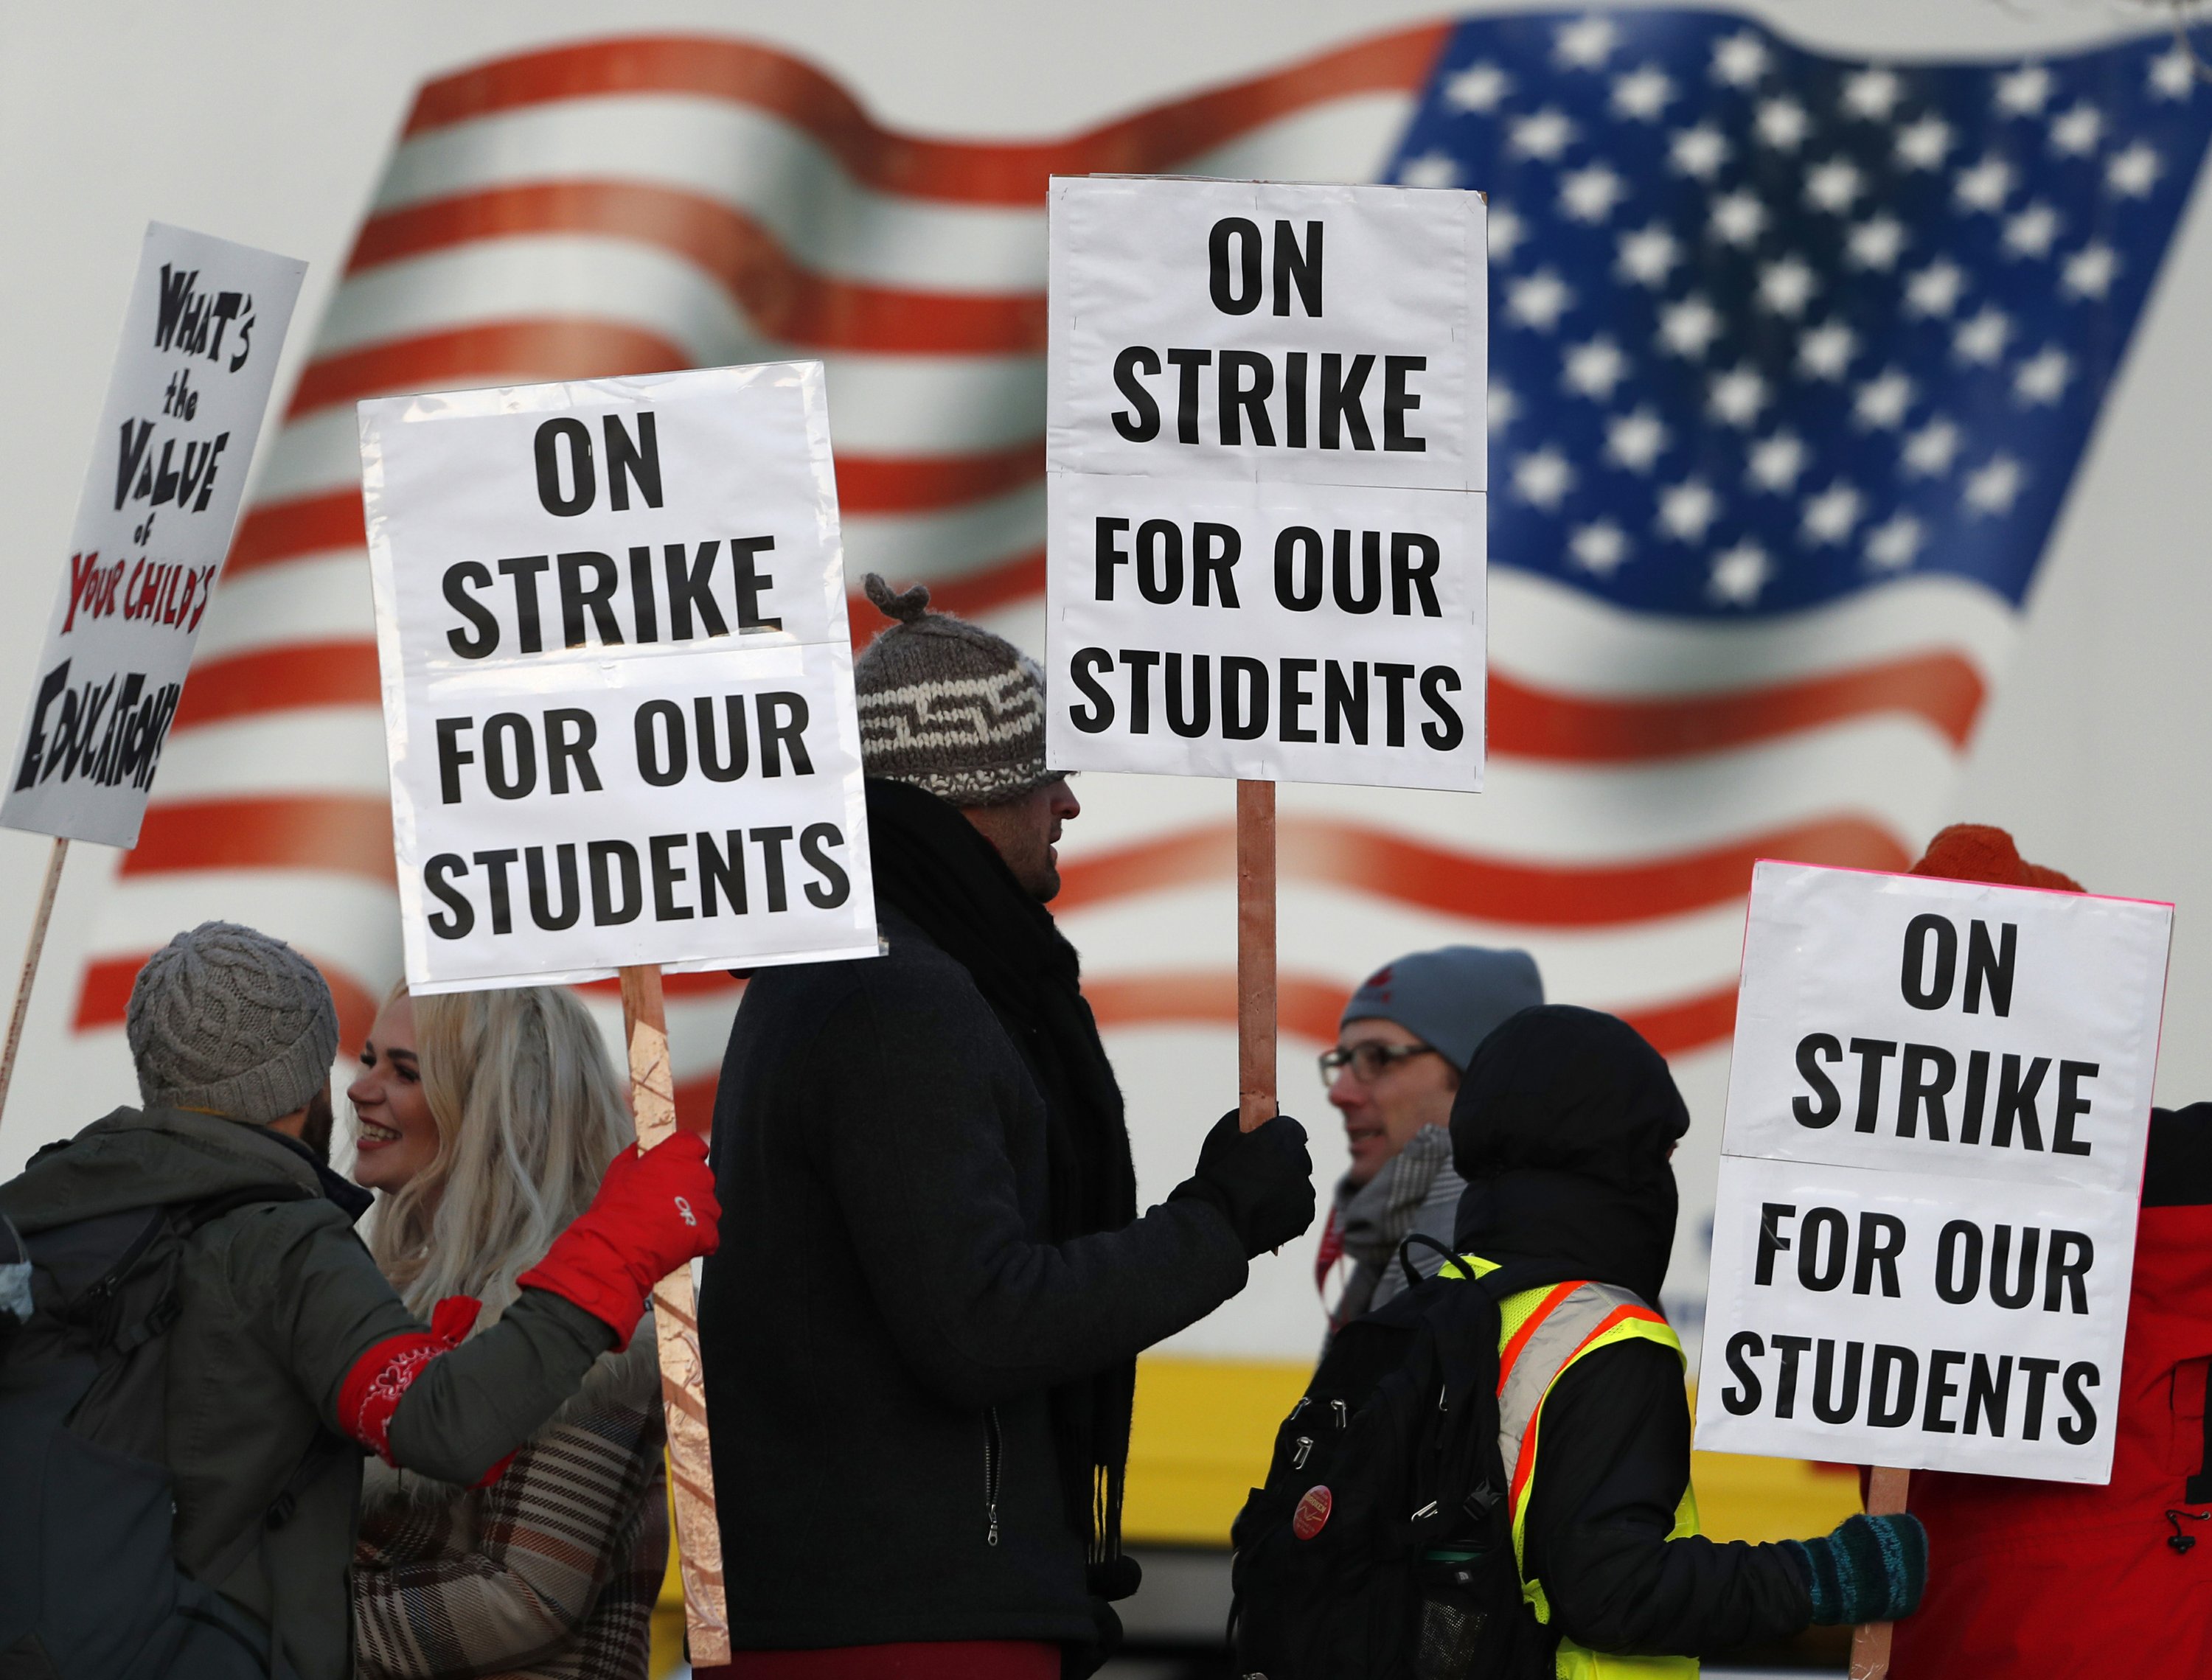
528 1113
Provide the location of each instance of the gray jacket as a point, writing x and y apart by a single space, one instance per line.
278 1300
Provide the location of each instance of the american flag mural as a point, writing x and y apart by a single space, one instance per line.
1793 361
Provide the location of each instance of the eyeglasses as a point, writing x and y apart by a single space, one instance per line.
1369 1062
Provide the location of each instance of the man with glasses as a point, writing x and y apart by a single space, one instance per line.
1405 1038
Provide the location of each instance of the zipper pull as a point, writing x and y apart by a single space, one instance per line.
1305 1450
992 1538
1343 1413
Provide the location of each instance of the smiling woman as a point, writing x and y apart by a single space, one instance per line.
397 1135
486 1120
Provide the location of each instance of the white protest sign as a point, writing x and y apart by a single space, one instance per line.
1265 475
617 683
201 338
1925 1225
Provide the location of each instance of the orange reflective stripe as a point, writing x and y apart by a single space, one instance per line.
1511 1351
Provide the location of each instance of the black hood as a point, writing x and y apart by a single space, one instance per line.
1562 1129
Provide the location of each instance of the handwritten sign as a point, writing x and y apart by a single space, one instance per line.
201 338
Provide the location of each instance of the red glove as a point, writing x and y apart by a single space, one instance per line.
654 1212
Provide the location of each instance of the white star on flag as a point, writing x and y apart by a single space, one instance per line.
1642 94
1740 572
1993 488
1599 547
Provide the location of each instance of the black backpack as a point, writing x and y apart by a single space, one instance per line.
89 1585
1381 1547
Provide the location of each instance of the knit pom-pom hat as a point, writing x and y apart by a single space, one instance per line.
947 706
1976 852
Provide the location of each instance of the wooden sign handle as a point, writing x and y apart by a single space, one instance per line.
676 1323
1256 954
46 914
1886 1493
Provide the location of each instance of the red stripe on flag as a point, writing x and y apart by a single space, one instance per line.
1529 721
1942 688
783 300
490 352
1304 1005
277 531
965 171
343 834
695 1102
105 995
1326 852
278 679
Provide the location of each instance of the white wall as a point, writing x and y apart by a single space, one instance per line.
269 122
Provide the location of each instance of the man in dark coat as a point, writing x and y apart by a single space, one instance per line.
1563 1129
921 1332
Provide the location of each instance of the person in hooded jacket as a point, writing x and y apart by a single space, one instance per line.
289 1355
921 1332
2073 1582
1563 1129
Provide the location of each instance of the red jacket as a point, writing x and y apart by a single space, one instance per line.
2058 1582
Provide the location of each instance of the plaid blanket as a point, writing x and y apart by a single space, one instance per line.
550 1574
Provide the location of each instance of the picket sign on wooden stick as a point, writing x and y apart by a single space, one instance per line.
46 914
1885 1492
676 1326
1256 954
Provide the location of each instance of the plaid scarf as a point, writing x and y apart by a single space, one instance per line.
1416 1191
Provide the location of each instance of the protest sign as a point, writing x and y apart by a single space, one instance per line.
1265 475
618 707
1925 1224
201 337
617 684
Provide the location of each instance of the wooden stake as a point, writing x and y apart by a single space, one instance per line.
1885 1492
1256 954
676 1323
54 860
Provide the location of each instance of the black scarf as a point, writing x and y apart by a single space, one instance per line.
1562 1128
933 867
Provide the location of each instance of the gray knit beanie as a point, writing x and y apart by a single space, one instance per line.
1450 999
232 1022
947 706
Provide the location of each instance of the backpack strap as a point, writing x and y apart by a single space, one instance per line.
1452 1264
184 1220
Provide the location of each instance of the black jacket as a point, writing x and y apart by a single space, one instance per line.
885 1315
1562 1129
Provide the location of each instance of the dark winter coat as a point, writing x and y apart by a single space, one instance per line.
2078 1582
887 1317
278 1302
1562 1129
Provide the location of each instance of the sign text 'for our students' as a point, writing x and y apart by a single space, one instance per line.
618 682
1266 467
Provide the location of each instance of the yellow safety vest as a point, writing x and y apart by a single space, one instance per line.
1541 1333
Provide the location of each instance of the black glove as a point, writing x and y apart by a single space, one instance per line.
1870 1569
1260 1179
